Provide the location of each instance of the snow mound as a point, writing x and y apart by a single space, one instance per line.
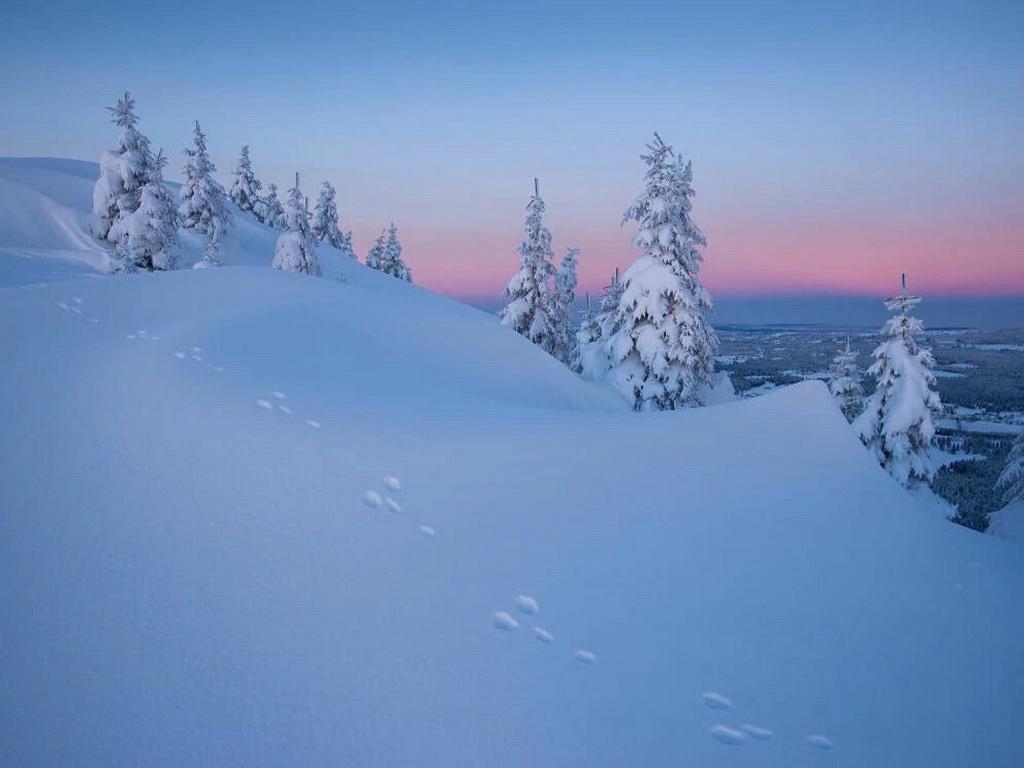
1008 523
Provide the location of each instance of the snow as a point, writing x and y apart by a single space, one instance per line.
1008 522
189 579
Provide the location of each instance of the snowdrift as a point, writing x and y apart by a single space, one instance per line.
252 518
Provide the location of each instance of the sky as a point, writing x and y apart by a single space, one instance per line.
834 145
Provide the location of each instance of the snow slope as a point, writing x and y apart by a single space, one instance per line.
1008 522
45 226
258 519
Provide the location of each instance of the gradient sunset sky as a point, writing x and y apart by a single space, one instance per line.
835 145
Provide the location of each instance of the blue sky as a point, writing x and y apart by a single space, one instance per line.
828 139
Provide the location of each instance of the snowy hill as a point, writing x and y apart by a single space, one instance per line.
254 518
1008 522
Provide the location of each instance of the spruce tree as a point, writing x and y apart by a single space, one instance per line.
296 248
587 336
270 211
844 382
325 222
152 230
1011 481
203 200
662 349
124 170
390 262
898 423
563 306
245 190
527 308
376 252
592 351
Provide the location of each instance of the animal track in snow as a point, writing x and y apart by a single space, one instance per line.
129 335
313 423
542 635
94 320
76 299
218 368
716 701
197 358
372 499
63 305
526 604
757 732
279 395
426 530
284 409
154 338
727 735
505 622
818 741
180 355
197 350
393 505
584 656
76 310
264 405
392 484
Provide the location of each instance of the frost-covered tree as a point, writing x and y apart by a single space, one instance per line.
898 423
325 222
844 382
245 190
386 256
662 349
376 252
1011 481
269 209
591 351
124 170
587 336
151 231
527 308
563 307
296 248
203 200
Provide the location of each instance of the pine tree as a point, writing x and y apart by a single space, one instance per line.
325 222
203 200
245 191
662 349
270 211
844 383
386 256
527 295
151 232
376 252
1011 481
898 419
563 306
124 171
296 248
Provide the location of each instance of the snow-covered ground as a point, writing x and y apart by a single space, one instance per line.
255 518
1008 522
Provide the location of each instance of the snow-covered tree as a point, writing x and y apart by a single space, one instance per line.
124 170
245 190
325 222
662 349
527 308
203 200
587 336
269 209
376 252
1011 481
296 248
386 256
591 346
898 419
151 231
563 306
844 382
